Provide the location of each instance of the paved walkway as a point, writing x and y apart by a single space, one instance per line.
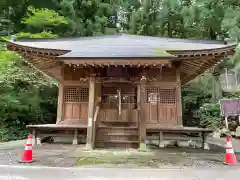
40 173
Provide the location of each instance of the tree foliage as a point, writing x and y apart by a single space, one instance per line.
43 19
26 97
43 34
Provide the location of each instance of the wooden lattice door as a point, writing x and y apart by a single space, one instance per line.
161 105
118 103
75 105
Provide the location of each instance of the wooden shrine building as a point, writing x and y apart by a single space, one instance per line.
117 88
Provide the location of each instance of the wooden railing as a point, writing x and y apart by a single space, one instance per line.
95 126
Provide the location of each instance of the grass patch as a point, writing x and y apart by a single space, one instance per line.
138 159
90 161
153 158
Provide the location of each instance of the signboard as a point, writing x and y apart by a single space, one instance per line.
230 107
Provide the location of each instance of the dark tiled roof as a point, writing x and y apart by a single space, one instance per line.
117 46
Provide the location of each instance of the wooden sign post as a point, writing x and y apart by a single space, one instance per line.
230 107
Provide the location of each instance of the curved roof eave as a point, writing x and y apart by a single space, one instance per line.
231 46
36 48
171 53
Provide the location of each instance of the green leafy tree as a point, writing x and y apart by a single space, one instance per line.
26 97
43 20
90 17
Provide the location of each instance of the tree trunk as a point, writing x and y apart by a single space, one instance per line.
212 34
169 29
216 90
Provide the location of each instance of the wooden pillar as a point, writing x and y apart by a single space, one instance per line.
178 98
60 103
96 111
75 137
142 117
90 112
119 104
161 140
204 141
34 137
60 97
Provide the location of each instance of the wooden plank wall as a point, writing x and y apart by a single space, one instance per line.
162 99
75 98
75 107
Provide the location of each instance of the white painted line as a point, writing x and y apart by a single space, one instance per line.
101 168
12 178
81 168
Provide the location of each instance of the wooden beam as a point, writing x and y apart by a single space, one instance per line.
122 62
203 64
90 111
195 65
198 72
47 65
203 61
142 117
41 60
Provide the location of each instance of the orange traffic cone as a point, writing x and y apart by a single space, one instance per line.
27 154
230 158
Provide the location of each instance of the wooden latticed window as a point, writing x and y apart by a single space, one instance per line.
76 94
158 95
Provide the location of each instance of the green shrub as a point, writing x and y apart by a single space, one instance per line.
27 97
209 114
44 34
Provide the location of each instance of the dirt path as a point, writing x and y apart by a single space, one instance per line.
68 156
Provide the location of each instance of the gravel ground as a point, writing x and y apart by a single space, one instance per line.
68 156
46 155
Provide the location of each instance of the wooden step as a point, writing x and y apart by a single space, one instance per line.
119 134
117 121
118 141
120 123
117 144
103 131
123 138
118 127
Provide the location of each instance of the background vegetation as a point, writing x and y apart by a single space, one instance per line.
28 97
